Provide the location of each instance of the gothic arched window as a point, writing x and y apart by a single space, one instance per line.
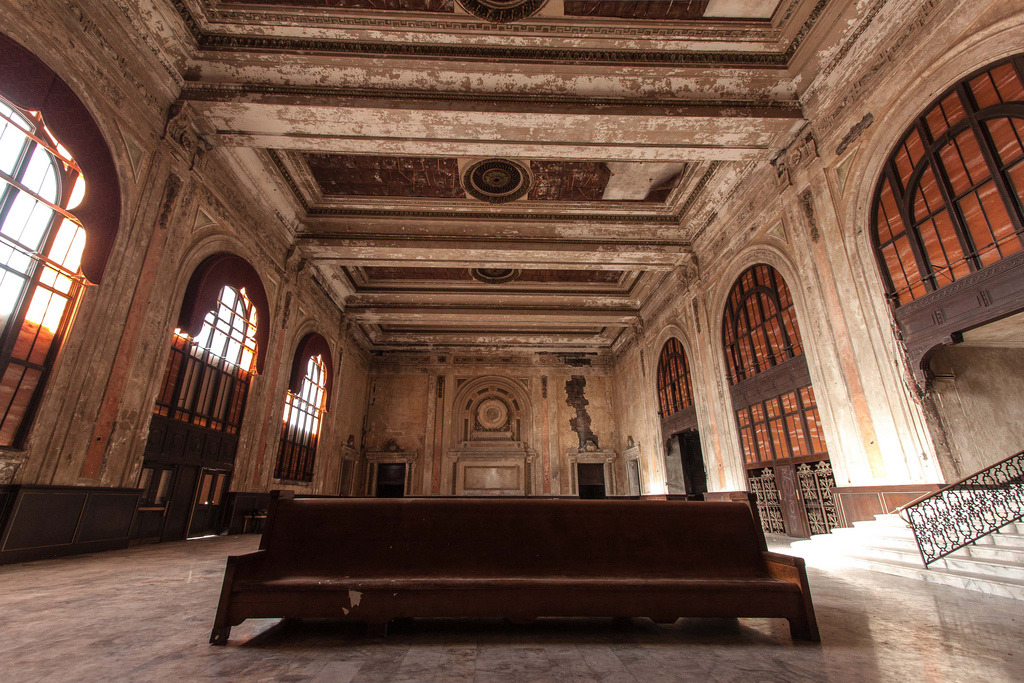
41 245
951 197
674 389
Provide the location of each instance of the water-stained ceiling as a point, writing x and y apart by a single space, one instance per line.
463 179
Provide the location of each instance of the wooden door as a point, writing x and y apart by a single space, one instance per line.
208 509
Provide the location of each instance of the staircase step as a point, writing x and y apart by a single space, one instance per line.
967 580
990 551
993 565
983 567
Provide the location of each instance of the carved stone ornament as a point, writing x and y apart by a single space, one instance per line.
9 466
495 276
799 152
502 11
497 181
182 132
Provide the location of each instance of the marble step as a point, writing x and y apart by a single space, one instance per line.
966 580
991 551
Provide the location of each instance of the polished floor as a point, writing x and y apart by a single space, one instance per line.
145 614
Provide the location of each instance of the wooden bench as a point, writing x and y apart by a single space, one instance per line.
375 560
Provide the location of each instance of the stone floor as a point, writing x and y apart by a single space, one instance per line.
145 614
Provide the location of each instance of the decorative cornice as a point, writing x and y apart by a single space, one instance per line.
701 184
212 91
754 31
228 42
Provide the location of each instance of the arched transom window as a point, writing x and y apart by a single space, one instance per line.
41 246
674 389
207 377
303 414
759 330
951 196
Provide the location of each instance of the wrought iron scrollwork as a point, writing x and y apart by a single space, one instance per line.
816 481
961 513
769 506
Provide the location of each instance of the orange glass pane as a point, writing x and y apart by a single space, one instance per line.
928 198
1008 83
977 226
797 438
1007 138
984 91
999 219
896 274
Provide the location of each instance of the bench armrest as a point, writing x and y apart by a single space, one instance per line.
793 569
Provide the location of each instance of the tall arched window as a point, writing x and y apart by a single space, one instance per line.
303 414
951 197
193 434
776 413
674 390
207 378
41 245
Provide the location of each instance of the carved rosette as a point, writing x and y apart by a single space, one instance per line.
502 11
497 181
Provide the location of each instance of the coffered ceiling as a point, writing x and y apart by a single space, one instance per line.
421 143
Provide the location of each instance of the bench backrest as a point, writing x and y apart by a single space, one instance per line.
510 537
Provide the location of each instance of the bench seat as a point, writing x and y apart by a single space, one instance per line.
376 560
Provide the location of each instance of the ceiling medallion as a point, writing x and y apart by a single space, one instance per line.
496 181
502 11
495 276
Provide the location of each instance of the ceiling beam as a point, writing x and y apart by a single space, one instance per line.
666 132
489 318
480 253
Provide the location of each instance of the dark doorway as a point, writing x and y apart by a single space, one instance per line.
590 476
208 510
695 478
390 480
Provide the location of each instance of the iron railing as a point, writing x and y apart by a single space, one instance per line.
961 513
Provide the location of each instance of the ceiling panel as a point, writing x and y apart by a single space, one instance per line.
637 9
569 181
380 176
543 275
407 5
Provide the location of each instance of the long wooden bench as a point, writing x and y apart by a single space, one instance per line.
375 560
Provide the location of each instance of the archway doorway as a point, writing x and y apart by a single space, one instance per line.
980 381
785 455
193 435
684 460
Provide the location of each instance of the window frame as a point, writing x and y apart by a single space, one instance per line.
931 160
40 264
674 383
296 453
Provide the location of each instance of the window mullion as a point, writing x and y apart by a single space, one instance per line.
909 228
986 145
934 161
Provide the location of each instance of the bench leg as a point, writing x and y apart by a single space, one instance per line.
800 629
219 635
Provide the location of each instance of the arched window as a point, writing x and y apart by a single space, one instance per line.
776 414
674 390
207 378
759 330
303 413
41 245
951 197
193 435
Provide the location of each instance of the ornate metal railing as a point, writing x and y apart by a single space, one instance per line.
963 512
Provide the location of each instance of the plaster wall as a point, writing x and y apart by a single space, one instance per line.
979 394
